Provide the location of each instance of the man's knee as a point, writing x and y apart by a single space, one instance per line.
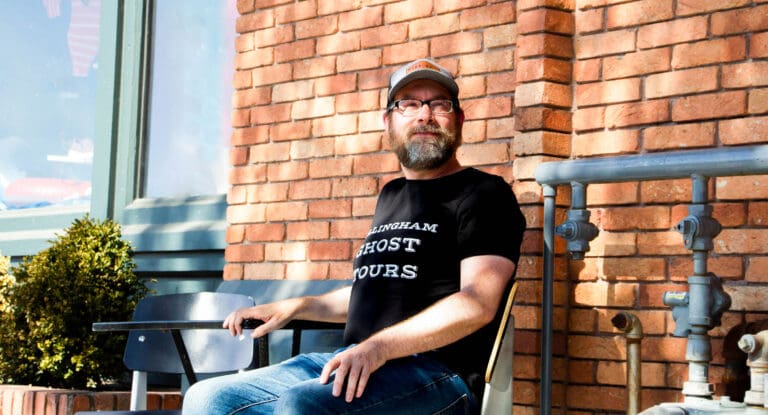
308 398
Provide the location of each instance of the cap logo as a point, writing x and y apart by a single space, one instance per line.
422 65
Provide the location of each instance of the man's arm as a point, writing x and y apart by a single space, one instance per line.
331 307
483 280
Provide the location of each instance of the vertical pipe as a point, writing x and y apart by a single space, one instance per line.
698 348
545 407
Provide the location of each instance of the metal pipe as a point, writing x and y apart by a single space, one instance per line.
547 301
633 332
730 161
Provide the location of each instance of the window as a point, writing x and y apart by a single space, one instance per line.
49 75
190 90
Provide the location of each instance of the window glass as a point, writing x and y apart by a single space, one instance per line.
48 79
187 148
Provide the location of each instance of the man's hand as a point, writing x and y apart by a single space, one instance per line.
274 315
354 366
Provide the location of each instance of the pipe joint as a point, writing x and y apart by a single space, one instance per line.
699 228
578 231
756 347
629 324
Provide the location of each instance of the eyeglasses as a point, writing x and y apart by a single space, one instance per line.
411 107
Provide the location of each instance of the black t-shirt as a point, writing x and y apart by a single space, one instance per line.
421 231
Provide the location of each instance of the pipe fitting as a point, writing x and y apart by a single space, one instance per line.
630 325
756 347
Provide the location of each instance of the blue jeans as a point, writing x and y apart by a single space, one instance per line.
414 385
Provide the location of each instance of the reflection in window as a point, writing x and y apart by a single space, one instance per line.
190 98
47 111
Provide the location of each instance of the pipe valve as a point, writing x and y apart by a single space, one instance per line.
578 231
756 347
699 228
719 301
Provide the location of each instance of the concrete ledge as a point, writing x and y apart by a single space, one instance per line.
35 400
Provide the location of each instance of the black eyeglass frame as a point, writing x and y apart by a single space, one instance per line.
454 104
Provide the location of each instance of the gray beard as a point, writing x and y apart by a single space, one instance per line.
424 155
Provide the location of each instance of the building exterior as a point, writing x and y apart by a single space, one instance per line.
541 80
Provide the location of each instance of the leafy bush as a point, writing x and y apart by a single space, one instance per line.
52 299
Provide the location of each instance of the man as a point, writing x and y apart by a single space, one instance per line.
423 309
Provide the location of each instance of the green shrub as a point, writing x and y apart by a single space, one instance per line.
53 297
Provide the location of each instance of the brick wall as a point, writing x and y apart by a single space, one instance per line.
541 80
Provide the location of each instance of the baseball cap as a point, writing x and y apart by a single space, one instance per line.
421 69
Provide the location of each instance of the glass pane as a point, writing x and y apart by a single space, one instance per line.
48 79
190 98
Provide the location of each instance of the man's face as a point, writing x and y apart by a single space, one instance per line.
423 141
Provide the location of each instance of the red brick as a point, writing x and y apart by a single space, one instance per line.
330 167
606 142
354 186
639 13
244 253
543 93
336 84
758 47
309 189
336 6
756 267
499 36
289 251
546 20
267 232
637 63
361 18
536 118
758 213
434 26
313 108
325 209
287 171
744 130
248 174
245 214
500 128
749 19
384 35
608 92
708 106
244 42
264 271
745 75
682 82
307 270
624 269
612 193
747 298
254 21
233 272
357 144
286 211
632 218
679 136
350 228
402 11
492 15
666 191
542 142
313 68
661 243
590 20
329 251
338 43
480 154
255 58
375 163
742 187
301 49
646 112
272 36
589 119
703 6
730 214
672 32
315 148
251 97
267 192
269 152
295 12
587 70
681 267
602 44
544 69
463 42
757 102
742 241
271 75
241 118
405 52
708 52
550 45
355 61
